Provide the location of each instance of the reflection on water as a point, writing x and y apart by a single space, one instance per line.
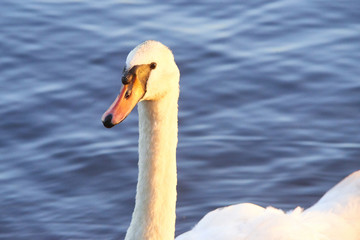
269 109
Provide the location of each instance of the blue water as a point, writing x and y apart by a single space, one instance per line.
269 108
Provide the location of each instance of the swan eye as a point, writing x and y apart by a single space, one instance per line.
153 65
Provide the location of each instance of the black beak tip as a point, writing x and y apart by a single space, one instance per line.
107 121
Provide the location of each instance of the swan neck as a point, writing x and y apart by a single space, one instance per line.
154 213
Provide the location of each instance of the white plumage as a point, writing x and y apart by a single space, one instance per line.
336 216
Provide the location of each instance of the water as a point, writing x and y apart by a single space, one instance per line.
269 108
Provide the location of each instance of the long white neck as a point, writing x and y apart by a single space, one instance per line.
154 214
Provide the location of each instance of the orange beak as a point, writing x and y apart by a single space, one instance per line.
129 96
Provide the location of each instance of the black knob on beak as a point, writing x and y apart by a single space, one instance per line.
125 80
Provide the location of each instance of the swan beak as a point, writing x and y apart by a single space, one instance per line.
129 96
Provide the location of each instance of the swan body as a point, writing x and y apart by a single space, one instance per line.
151 80
335 216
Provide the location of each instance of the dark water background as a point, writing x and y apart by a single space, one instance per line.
269 108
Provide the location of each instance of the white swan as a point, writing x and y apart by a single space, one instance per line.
151 77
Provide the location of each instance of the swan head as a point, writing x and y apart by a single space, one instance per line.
149 74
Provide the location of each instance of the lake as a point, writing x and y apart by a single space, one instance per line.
269 108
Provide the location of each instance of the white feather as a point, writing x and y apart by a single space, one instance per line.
336 216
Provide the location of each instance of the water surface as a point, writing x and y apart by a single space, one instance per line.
268 112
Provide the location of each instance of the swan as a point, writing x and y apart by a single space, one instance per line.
151 80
